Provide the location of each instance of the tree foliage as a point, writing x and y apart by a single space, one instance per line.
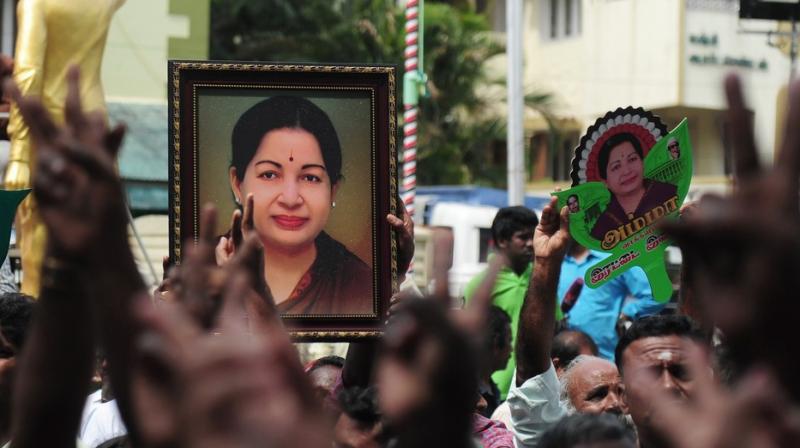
456 123
455 129
306 30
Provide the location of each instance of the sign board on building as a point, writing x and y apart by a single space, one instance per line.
769 9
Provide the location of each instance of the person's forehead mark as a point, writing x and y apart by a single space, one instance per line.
623 150
289 142
658 349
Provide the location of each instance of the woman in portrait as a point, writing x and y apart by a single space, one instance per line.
620 164
286 154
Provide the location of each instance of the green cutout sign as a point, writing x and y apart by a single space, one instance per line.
9 201
628 173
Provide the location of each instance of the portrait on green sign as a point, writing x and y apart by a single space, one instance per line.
628 173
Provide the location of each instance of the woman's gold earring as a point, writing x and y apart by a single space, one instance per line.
238 201
333 204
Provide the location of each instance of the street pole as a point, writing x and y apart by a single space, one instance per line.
413 83
516 161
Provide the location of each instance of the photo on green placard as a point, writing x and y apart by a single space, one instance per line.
628 173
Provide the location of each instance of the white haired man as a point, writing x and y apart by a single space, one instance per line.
590 384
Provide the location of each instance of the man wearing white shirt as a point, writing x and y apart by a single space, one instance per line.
537 398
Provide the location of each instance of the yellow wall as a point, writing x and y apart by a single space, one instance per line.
637 52
619 58
135 62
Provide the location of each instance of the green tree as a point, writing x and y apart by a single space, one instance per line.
457 125
455 131
306 30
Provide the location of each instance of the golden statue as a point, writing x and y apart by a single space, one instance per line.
51 36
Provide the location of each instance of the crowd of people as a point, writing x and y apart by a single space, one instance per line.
204 361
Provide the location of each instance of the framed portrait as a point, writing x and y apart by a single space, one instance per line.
315 146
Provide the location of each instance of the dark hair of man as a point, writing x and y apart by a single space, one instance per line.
613 142
587 429
512 219
726 368
656 326
567 345
332 360
289 112
16 312
361 405
498 327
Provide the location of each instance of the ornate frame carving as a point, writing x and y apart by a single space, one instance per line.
189 77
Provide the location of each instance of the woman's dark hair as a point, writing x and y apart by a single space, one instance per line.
278 112
613 142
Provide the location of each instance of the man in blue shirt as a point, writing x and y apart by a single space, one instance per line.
597 311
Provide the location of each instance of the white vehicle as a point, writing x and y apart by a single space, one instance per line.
472 236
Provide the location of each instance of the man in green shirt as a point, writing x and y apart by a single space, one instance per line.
512 233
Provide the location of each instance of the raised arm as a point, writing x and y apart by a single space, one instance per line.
80 200
52 377
538 316
362 356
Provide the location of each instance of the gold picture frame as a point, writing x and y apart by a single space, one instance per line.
207 99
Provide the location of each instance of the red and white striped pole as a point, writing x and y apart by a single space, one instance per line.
413 79
411 83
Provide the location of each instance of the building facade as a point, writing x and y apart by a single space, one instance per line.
669 56
143 36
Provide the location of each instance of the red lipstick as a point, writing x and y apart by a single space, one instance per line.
287 222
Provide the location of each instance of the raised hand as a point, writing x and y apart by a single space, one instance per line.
755 413
198 284
551 236
537 318
77 188
228 389
744 248
404 228
163 292
242 226
442 262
